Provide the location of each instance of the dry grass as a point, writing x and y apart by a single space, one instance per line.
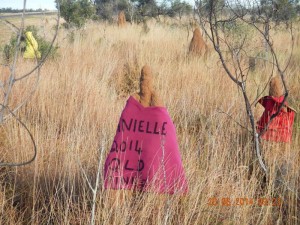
77 106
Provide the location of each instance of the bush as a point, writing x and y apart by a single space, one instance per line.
44 46
76 12
105 11
9 49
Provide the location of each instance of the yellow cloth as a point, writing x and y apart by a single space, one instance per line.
31 51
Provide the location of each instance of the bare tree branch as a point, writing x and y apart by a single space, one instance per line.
36 68
231 117
13 69
32 140
13 27
7 87
43 60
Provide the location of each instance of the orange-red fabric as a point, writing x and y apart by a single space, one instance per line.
281 127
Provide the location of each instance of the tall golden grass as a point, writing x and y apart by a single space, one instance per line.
77 106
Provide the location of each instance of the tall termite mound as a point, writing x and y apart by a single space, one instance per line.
147 95
276 87
121 19
197 44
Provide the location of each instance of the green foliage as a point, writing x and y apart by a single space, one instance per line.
147 8
285 10
179 9
9 49
205 6
140 10
10 10
76 12
123 5
238 34
278 10
71 36
44 46
105 9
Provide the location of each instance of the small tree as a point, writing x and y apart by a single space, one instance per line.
76 12
15 78
147 8
179 8
285 10
219 23
105 9
44 46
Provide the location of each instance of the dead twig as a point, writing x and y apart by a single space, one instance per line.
7 87
31 138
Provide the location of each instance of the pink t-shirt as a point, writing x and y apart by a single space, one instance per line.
145 154
281 127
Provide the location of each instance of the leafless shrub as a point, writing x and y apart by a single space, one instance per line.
227 26
11 80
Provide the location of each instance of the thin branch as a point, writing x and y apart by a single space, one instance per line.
12 81
281 73
32 140
25 100
215 39
37 67
292 50
13 27
253 125
13 69
238 123
216 44
42 61
265 87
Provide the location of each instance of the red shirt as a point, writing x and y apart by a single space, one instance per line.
281 127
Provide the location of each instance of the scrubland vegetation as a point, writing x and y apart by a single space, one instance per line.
74 113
